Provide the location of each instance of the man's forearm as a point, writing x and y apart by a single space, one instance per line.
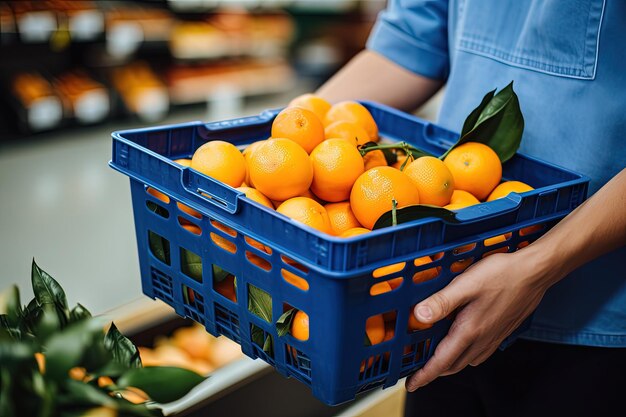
370 76
596 227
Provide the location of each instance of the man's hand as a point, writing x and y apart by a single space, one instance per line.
495 295
492 298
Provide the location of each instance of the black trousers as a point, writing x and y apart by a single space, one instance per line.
530 379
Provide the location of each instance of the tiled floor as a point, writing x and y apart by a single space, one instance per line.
61 204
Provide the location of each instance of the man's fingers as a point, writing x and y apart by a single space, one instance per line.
448 351
443 302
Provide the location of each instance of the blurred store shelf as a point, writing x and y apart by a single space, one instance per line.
66 208
166 53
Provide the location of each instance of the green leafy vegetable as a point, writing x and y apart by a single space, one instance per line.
46 289
123 350
42 342
163 384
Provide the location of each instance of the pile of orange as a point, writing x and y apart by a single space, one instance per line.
312 169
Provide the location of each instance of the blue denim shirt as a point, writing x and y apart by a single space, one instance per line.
568 61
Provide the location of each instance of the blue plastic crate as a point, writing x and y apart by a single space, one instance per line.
334 362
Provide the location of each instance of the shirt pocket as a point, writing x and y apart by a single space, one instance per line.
557 37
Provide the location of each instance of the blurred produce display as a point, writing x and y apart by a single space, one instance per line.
75 62
191 348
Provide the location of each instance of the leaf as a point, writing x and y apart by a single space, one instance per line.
7 331
268 346
191 264
262 339
79 313
159 247
7 407
258 335
65 349
14 354
30 316
163 384
283 324
11 306
155 208
111 369
415 212
80 393
47 392
47 290
48 323
124 351
260 303
472 119
220 274
497 122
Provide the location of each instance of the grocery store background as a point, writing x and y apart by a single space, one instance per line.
73 71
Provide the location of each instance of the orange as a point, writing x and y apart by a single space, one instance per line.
380 288
41 362
463 197
295 280
374 159
300 325
355 231
280 169
389 332
255 195
457 206
461 265
313 103
351 111
77 373
508 187
189 210
192 228
246 156
374 191
300 125
307 193
433 180
226 287
476 168
219 241
425 274
307 211
134 395
341 217
352 132
400 161
220 160
388 269
375 329
415 324
186 162
158 195
336 165
497 239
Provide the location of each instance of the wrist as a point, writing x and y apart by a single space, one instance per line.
546 262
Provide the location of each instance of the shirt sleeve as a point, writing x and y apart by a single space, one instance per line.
414 35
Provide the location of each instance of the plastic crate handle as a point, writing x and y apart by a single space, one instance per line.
492 210
209 190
